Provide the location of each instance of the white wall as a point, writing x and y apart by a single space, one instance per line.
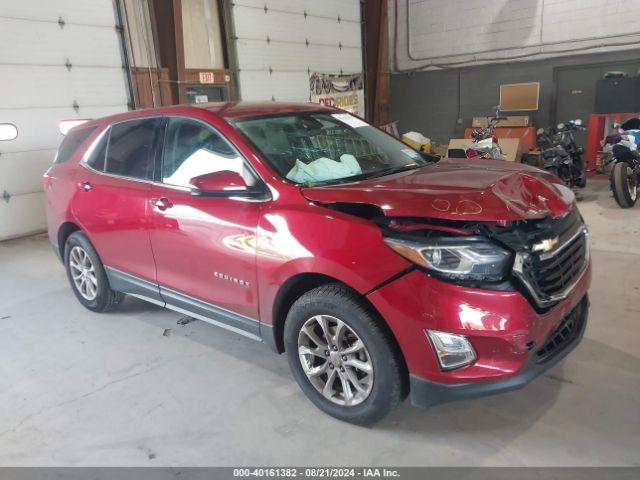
456 32
278 69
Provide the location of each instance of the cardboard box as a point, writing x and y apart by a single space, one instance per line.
510 147
512 121
439 149
417 141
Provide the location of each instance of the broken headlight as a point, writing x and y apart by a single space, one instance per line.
456 258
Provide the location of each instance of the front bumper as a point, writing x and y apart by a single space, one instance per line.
425 393
504 328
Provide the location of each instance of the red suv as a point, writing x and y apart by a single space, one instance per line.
380 271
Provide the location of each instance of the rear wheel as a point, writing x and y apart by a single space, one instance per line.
624 184
582 181
86 275
345 362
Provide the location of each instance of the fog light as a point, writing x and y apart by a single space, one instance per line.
453 351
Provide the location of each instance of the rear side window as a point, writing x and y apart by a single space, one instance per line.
99 153
131 148
72 142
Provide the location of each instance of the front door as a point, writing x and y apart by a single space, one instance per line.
204 247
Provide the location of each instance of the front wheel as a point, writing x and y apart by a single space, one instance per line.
624 183
342 357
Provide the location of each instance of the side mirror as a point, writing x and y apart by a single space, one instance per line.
224 183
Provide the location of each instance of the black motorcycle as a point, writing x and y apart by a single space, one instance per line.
625 174
561 155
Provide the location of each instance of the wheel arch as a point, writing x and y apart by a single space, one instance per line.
298 285
65 230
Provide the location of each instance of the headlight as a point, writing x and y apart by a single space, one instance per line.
453 351
464 258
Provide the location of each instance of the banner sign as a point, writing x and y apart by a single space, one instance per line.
340 91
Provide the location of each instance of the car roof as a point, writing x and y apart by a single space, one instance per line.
253 109
224 110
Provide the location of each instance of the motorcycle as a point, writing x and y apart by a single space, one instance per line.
625 174
484 143
561 155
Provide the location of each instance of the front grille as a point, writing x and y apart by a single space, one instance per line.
553 274
549 276
546 277
568 330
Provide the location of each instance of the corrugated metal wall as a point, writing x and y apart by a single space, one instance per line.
279 42
55 53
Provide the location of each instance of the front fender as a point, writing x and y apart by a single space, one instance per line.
314 239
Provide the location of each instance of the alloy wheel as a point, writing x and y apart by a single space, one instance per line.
335 360
83 273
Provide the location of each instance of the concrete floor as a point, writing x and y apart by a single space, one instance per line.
136 388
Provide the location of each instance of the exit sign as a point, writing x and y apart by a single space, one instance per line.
206 77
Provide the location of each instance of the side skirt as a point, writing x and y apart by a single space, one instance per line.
179 302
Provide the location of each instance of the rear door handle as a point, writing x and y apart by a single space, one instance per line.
161 203
86 186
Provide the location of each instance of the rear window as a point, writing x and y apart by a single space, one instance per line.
72 142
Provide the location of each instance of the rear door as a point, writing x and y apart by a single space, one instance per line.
205 247
112 200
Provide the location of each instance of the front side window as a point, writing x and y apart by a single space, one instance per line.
131 148
320 147
192 149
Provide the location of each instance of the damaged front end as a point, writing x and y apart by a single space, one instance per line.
543 259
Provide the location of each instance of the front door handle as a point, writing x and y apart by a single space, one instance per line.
86 186
162 203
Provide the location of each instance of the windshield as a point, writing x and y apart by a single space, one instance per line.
312 148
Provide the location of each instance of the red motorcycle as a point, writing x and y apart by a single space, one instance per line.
484 143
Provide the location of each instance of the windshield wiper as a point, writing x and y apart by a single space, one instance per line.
392 170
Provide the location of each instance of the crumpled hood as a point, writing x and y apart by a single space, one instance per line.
477 190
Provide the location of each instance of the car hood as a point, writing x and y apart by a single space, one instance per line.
477 190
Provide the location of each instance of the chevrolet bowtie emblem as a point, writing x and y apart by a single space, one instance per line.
545 245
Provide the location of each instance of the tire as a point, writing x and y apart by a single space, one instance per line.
582 181
530 160
383 387
625 196
99 297
581 171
